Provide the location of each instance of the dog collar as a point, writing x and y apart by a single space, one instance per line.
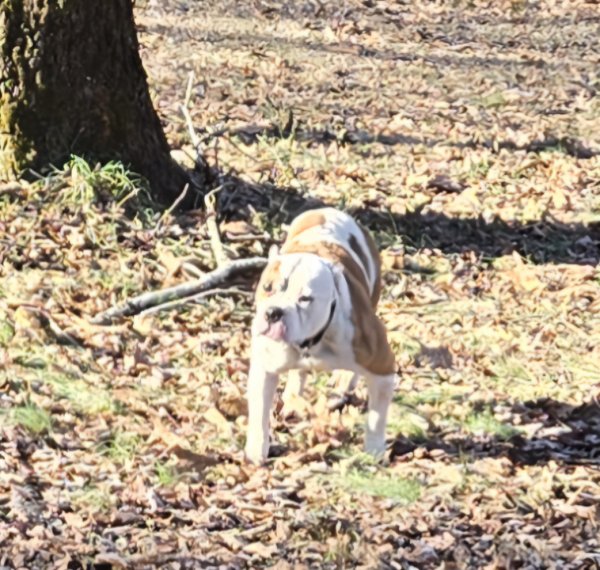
305 345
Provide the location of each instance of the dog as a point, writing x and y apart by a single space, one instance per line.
315 310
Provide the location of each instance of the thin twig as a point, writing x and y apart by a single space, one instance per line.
191 270
170 209
211 280
210 201
242 151
195 139
188 89
51 325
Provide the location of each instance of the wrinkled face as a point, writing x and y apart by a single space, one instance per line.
294 297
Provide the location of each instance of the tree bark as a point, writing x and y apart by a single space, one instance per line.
72 82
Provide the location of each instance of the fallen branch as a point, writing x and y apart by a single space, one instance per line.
193 298
211 280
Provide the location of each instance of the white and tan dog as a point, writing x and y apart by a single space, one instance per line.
315 310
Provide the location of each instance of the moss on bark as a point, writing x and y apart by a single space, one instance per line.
72 82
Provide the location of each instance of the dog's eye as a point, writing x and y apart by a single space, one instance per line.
305 299
268 287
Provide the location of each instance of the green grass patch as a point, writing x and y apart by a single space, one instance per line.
493 100
93 498
88 183
32 361
407 423
122 447
7 332
34 419
484 423
83 397
166 474
361 473
429 396
359 481
512 368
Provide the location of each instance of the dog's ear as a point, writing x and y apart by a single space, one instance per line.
273 252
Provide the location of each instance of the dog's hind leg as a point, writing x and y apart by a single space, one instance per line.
293 391
351 386
294 385
339 402
381 390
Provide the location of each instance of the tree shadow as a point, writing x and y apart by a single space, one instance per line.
363 52
250 134
567 434
543 241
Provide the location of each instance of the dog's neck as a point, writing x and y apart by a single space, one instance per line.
308 343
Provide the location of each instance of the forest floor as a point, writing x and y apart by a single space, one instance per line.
466 136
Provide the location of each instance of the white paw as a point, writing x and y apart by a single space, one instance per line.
256 451
375 446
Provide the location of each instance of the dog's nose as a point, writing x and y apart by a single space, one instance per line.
273 314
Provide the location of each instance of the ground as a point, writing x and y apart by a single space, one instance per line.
466 136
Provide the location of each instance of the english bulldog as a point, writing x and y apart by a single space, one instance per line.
315 310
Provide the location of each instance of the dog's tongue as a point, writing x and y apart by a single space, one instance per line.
276 331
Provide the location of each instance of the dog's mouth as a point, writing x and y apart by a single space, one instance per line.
274 331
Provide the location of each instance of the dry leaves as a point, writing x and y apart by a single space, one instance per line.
466 137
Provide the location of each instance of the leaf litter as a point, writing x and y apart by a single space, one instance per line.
465 136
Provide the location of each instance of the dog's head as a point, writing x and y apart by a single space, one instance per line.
294 296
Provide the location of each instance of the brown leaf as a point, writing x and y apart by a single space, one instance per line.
260 549
443 183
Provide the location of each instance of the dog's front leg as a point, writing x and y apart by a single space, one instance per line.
260 393
381 390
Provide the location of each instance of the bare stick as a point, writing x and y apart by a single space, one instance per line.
216 244
188 89
169 210
191 130
191 270
211 280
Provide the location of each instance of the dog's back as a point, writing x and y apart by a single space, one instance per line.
336 236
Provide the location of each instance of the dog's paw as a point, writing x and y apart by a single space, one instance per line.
375 447
256 453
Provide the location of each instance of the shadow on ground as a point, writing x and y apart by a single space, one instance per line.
568 434
543 241
252 133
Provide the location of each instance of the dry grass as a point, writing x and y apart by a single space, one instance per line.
467 138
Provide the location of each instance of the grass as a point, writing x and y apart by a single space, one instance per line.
166 474
91 182
380 485
361 474
434 395
122 447
484 423
7 331
403 421
31 417
83 397
93 498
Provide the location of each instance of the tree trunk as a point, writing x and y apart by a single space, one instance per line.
72 82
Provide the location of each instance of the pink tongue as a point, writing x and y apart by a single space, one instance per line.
276 331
